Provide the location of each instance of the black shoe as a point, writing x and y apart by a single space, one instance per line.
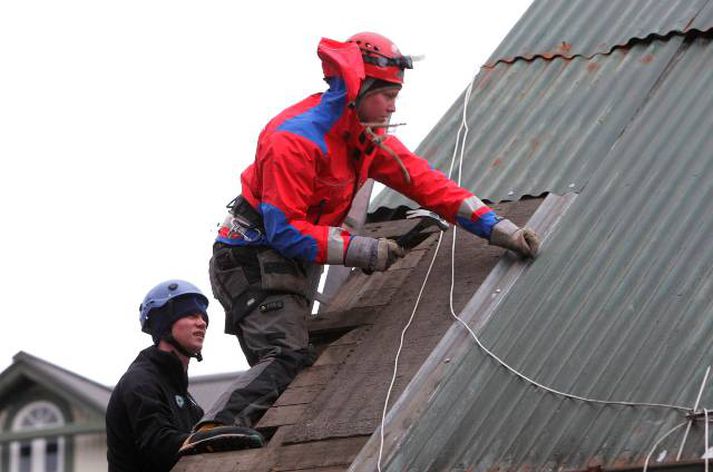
221 438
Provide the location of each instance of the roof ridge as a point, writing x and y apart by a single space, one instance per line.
23 356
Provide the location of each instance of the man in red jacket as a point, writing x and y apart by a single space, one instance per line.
311 159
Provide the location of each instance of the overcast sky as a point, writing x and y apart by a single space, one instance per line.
124 127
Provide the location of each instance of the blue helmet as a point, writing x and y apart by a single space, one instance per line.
164 292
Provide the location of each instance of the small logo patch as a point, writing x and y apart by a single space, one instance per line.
180 401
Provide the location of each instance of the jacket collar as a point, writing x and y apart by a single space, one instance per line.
168 364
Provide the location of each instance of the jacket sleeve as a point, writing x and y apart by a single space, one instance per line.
287 168
431 189
155 433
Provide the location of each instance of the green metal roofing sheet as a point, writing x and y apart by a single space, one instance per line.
618 306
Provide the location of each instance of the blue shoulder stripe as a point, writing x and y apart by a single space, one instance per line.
316 122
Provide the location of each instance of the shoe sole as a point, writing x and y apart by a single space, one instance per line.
222 443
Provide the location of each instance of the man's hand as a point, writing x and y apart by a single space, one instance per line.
372 254
523 241
388 252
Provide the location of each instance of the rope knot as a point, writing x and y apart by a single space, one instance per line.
378 141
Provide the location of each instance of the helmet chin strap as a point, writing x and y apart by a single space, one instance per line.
172 341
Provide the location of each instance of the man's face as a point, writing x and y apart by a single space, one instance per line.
189 331
377 107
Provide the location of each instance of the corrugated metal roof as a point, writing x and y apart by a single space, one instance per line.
543 126
582 27
619 306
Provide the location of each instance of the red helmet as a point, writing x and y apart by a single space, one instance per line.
382 59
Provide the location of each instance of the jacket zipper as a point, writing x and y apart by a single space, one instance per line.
321 209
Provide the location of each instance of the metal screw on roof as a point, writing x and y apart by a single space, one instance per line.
511 193
571 185
446 360
497 290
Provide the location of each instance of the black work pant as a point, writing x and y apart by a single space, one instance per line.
272 333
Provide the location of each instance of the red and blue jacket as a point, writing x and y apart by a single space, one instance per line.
313 157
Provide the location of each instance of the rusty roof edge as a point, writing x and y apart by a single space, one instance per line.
548 56
661 467
456 342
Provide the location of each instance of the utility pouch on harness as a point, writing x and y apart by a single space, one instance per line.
281 274
243 276
235 279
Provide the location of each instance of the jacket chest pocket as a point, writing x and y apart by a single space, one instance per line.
332 197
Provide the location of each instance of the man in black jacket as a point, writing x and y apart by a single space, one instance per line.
150 412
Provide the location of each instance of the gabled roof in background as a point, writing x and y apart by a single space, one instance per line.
29 378
74 387
619 306
62 382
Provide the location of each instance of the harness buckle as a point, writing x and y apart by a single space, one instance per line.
238 225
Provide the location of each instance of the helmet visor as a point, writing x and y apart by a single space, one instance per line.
402 62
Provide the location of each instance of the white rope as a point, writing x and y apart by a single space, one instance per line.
418 298
557 392
464 125
659 441
549 389
695 408
398 351
423 286
705 441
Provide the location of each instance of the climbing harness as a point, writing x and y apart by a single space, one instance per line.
248 227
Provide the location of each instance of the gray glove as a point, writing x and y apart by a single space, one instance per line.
523 241
372 254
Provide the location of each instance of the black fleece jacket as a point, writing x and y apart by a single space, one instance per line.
150 414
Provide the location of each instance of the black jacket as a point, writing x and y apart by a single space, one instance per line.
150 414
